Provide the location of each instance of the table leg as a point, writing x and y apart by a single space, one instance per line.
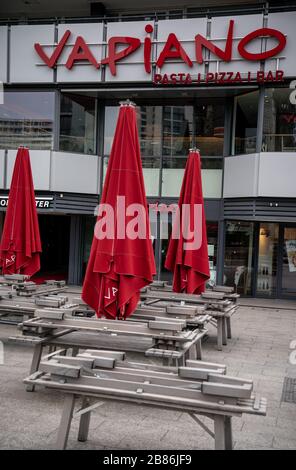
192 352
219 333
219 428
224 336
198 350
228 433
65 423
35 364
228 327
75 351
84 422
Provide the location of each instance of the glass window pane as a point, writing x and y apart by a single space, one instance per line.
209 127
151 169
212 234
246 123
238 268
26 118
149 128
78 123
289 262
279 126
111 115
173 171
267 259
177 130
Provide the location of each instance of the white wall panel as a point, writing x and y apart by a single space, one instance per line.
25 64
241 176
75 173
185 30
40 164
3 54
242 26
131 68
286 23
2 166
92 33
277 173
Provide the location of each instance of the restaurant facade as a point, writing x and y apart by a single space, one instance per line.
224 82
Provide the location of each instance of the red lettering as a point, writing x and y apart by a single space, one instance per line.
279 75
133 45
52 60
147 48
165 79
260 76
188 79
173 78
80 52
225 55
262 55
173 50
157 78
210 77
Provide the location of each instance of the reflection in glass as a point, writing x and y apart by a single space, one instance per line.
149 128
279 126
209 127
173 172
212 235
151 169
246 123
177 130
78 123
26 118
238 268
267 259
289 261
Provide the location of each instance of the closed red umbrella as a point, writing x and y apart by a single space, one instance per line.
20 244
122 263
188 257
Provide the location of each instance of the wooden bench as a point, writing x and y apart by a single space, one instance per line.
192 312
168 340
197 389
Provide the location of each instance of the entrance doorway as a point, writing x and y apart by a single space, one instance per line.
288 261
55 239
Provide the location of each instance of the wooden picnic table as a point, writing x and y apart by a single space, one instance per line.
168 340
197 389
216 309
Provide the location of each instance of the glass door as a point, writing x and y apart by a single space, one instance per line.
288 260
267 259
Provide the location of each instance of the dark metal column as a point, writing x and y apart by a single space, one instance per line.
220 251
76 249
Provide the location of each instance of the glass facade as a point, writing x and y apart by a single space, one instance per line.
288 280
26 118
209 127
279 125
267 259
245 123
166 133
238 261
78 123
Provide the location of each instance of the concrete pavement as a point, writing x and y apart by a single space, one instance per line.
259 350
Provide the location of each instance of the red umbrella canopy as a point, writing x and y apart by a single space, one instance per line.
20 244
121 259
187 254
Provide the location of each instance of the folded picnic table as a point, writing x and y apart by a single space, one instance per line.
170 340
215 306
196 388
